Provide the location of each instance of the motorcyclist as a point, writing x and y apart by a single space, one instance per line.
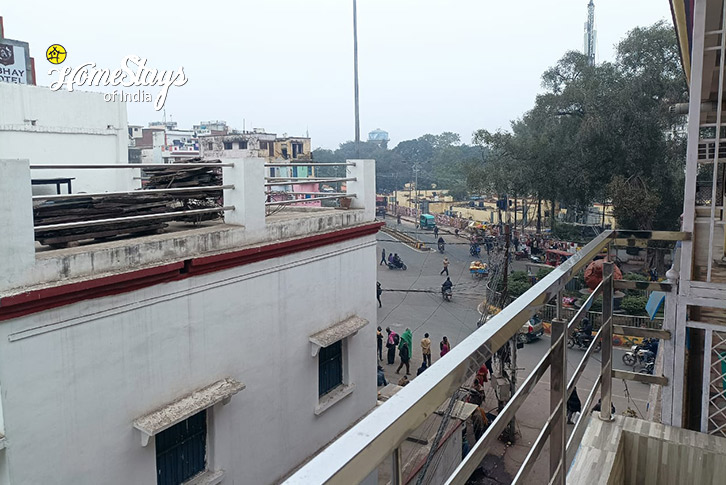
585 333
474 249
651 348
446 285
390 258
441 243
396 260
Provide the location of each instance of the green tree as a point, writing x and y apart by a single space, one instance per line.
600 132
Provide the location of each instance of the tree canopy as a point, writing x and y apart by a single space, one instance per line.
600 133
597 133
440 159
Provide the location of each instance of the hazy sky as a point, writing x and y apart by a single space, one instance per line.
426 66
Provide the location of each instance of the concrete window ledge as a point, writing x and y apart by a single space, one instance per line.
208 477
333 397
335 332
189 405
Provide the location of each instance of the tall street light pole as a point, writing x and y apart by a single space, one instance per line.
355 81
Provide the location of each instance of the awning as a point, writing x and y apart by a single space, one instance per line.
184 407
336 332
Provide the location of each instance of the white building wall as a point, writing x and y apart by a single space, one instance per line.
74 378
61 127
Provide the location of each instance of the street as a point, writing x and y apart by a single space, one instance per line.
412 299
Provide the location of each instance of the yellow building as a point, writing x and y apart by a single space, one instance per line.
292 148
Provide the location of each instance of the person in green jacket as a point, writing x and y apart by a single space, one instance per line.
408 337
404 348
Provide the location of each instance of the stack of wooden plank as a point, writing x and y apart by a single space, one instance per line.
98 208
166 178
102 207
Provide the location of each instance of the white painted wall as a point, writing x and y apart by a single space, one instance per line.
61 127
71 390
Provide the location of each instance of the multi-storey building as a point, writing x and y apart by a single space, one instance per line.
223 352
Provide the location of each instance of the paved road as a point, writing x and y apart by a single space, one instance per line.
425 311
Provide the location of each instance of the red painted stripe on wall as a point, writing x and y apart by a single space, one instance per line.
34 301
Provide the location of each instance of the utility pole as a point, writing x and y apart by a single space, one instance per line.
513 341
416 214
355 77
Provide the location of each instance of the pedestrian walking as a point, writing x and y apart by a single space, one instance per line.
404 351
445 262
436 231
426 349
378 293
383 257
391 344
379 342
445 346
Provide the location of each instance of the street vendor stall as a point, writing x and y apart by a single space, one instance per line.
478 269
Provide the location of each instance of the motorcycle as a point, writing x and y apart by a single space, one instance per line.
636 355
639 354
648 367
397 265
582 343
446 294
442 246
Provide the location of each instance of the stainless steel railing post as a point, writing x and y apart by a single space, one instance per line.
607 342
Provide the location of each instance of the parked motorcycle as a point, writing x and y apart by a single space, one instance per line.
446 294
397 265
582 343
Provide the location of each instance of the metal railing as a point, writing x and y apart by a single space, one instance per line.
294 197
311 199
274 197
144 166
170 215
356 454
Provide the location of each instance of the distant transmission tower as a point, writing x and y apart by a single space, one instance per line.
590 34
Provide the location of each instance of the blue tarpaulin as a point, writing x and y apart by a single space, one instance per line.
654 303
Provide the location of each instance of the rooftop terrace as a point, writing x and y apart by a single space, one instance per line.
248 227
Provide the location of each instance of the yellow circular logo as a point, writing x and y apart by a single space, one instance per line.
56 54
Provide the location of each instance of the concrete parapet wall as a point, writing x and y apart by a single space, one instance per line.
245 227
